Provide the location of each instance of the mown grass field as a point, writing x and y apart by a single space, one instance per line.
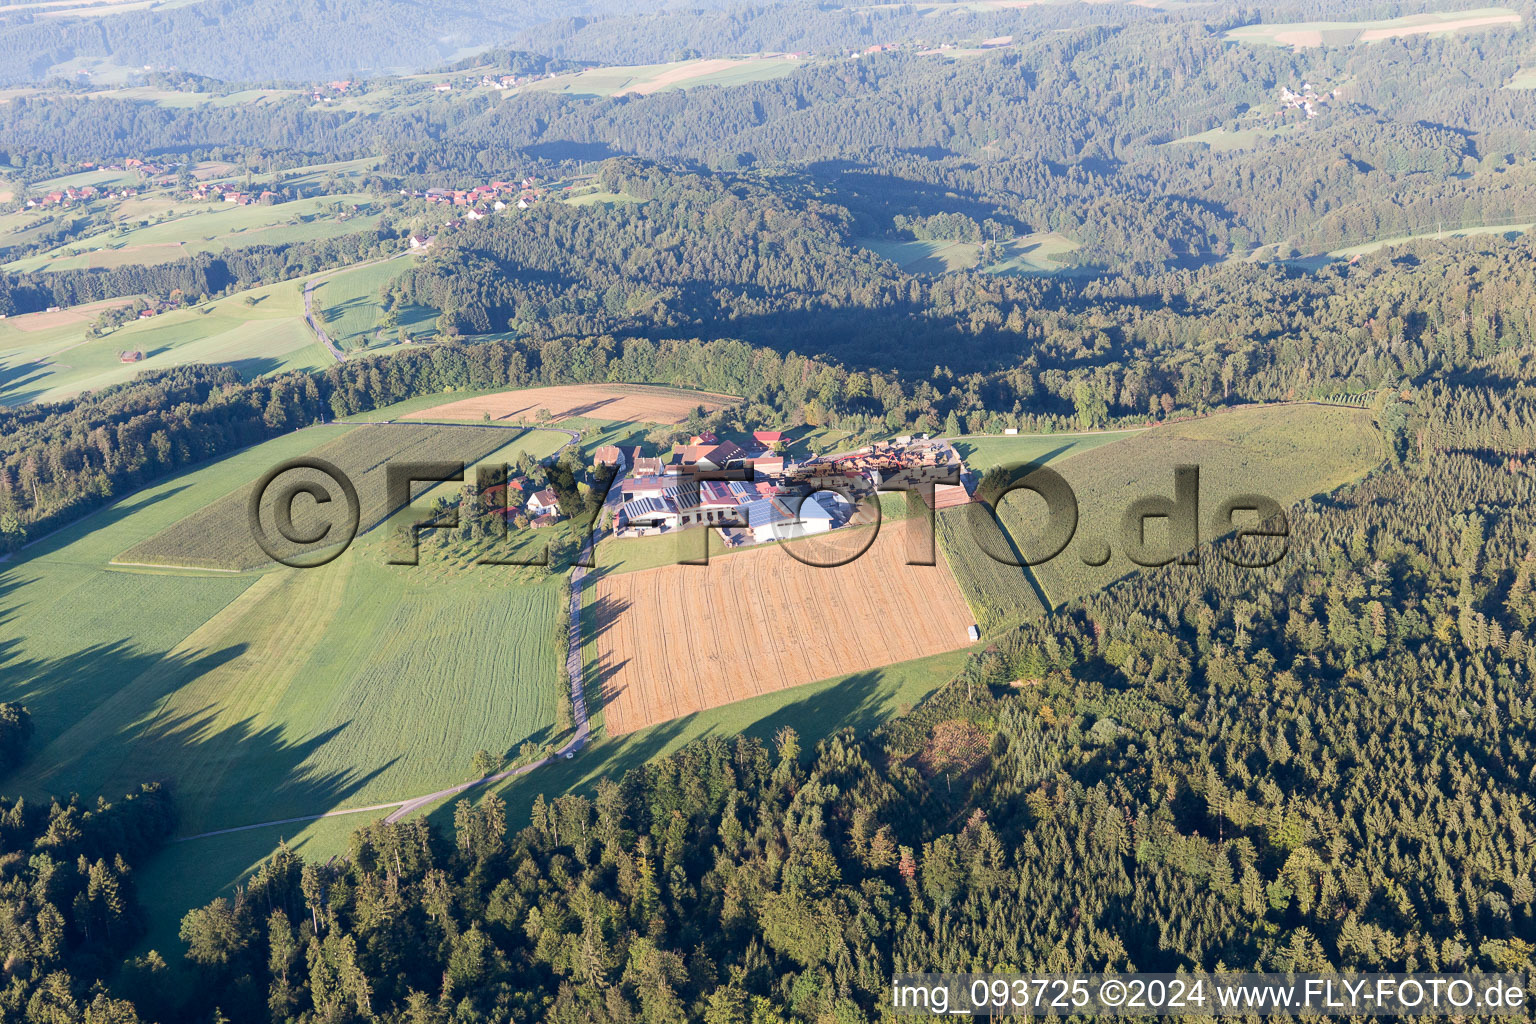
353 310
260 696
1382 243
650 78
219 536
998 593
1028 254
259 336
1286 453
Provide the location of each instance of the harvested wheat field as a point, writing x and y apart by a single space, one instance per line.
629 403
81 314
680 639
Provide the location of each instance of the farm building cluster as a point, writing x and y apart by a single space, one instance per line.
226 192
1308 99
752 493
70 195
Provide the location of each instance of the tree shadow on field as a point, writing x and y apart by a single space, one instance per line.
98 520
101 730
255 366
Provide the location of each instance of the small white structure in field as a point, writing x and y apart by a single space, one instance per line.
974 632
1010 430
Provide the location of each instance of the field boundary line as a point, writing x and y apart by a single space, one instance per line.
287 821
163 565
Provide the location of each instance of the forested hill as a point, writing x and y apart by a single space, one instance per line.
1082 131
300 39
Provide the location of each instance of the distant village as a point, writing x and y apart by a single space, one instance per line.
495 196
1308 99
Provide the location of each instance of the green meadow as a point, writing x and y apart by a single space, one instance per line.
1286 453
1027 254
1346 33
353 310
208 227
258 332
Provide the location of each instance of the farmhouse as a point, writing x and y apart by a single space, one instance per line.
544 502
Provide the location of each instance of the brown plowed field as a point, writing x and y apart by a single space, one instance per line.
629 403
680 639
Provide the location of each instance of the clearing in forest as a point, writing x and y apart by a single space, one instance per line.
1301 35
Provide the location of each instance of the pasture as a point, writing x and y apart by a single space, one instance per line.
1301 35
353 310
262 696
51 356
1027 254
998 593
1525 78
209 227
1382 243
633 403
678 640
1286 453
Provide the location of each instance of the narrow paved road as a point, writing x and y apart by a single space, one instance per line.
309 300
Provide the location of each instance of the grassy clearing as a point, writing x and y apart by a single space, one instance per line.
1222 140
1347 33
257 332
208 228
1382 243
924 257
650 78
1525 78
601 197
1028 254
219 536
1287 453
353 310
1000 594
